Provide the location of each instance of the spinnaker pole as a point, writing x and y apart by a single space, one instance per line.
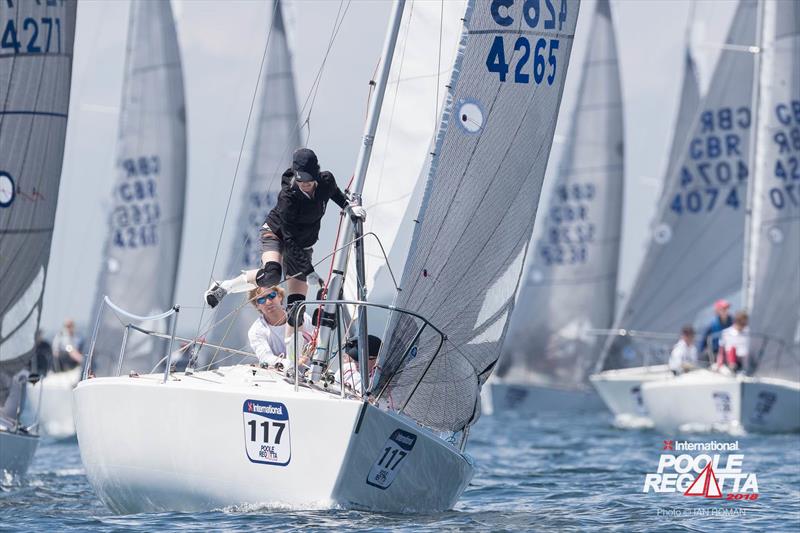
354 230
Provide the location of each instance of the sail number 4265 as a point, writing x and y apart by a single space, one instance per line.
536 60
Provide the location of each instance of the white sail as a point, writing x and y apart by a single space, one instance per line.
478 209
421 65
277 136
774 259
695 248
141 255
35 74
571 280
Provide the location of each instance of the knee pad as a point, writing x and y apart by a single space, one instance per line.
291 302
269 275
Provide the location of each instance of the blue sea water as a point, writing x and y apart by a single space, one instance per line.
545 473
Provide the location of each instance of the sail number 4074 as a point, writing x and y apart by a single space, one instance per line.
538 60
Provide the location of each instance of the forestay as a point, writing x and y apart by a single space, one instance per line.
140 259
774 262
277 136
695 248
478 209
571 280
35 74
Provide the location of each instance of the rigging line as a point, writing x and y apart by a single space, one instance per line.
239 159
325 59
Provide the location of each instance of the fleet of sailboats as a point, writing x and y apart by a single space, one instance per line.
695 249
481 175
461 119
35 78
767 397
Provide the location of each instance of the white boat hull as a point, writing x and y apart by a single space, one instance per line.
51 398
532 399
621 390
709 401
187 446
16 452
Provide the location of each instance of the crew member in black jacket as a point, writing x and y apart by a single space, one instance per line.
290 231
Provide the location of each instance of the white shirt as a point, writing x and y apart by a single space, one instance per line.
682 354
269 342
352 377
733 338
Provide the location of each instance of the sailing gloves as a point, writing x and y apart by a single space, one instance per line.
356 211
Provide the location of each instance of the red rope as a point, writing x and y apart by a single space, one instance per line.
330 270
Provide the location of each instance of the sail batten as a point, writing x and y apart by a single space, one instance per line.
140 257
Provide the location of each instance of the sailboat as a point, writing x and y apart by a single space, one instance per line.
140 258
36 61
277 136
695 248
571 276
398 446
767 398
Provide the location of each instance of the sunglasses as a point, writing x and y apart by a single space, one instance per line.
263 299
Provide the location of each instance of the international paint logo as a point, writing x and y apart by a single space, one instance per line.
705 472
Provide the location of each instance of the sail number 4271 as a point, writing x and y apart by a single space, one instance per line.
537 60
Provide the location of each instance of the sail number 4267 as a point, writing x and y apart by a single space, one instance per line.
537 60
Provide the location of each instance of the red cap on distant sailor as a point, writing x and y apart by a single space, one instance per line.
719 305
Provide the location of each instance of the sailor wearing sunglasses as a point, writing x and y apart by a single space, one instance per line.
267 335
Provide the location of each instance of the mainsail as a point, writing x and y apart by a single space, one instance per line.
571 280
277 136
774 257
140 260
478 208
35 73
695 249
423 58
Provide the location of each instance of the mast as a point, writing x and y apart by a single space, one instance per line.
355 230
748 266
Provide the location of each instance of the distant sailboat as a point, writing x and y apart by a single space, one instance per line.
277 136
140 257
399 447
695 249
140 261
571 280
769 400
35 76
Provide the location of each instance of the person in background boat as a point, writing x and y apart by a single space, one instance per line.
683 357
734 344
710 339
290 232
267 335
42 360
350 374
67 348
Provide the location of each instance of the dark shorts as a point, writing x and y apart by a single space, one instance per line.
297 265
